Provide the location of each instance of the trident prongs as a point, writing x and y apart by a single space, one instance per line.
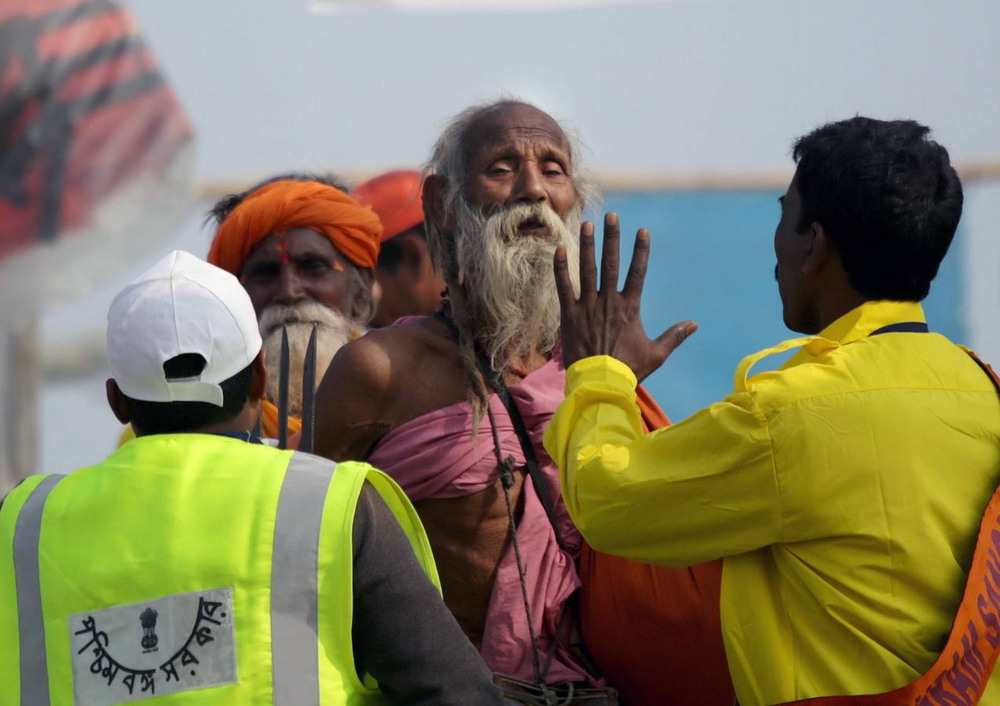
283 391
308 394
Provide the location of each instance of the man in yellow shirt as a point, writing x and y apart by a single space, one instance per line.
844 490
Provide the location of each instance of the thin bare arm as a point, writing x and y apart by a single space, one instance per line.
608 322
349 414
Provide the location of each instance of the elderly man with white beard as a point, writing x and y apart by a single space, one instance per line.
305 252
424 401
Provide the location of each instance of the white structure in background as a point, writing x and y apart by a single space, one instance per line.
330 6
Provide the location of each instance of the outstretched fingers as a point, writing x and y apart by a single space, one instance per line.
637 269
588 264
564 285
605 322
609 254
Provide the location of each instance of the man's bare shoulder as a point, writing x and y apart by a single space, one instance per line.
403 365
351 400
418 336
382 380
364 362
384 353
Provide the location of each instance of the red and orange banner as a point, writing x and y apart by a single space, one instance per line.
83 109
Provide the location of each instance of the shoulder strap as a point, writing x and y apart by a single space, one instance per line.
961 672
530 457
506 466
986 369
902 327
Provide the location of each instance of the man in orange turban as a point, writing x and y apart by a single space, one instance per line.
411 285
305 252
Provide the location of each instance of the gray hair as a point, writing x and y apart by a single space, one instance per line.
449 156
364 292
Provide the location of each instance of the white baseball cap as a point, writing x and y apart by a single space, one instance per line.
181 305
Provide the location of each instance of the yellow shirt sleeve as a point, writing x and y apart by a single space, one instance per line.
692 492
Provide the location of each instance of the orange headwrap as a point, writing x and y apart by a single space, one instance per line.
396 198
353 229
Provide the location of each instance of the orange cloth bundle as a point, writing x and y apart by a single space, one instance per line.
655 631
353 229
269 425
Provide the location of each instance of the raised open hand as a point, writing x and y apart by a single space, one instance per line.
607 322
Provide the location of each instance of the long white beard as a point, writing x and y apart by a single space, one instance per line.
507 277
333 330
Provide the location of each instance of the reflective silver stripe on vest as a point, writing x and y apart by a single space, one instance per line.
31 623
294 569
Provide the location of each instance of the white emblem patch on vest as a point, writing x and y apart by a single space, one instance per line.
176 643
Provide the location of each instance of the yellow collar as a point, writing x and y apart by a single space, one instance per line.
855 325
859 322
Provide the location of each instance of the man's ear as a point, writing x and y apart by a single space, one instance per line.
435 191
819 251
117 401
361 305
258 378
414 255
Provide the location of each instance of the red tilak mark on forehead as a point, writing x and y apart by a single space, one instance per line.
283 248
338 266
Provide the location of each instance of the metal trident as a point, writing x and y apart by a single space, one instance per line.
308 393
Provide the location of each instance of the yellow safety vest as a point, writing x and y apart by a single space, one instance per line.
196 568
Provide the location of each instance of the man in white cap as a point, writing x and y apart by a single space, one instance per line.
198 566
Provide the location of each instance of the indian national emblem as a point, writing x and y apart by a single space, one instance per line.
148 620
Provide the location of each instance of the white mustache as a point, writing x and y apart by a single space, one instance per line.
509 285
333 330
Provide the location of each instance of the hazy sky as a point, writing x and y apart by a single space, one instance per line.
696 84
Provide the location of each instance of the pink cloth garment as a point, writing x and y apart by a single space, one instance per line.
433 456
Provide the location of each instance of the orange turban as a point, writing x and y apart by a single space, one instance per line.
396 198
353 229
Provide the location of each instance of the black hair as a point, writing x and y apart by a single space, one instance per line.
886 196
391 253
224 206
177 417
